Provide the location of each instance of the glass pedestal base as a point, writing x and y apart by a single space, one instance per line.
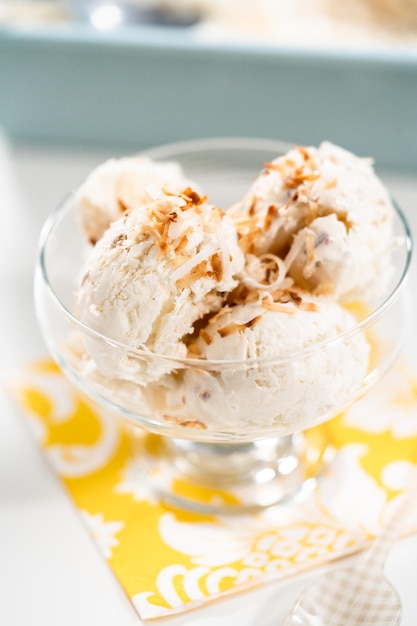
213 478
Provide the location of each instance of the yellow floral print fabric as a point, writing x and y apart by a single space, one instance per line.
168 560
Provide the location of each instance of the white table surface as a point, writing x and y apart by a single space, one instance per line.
50 572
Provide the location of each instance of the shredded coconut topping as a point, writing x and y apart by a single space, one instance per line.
266 272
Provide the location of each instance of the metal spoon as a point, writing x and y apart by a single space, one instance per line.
359 594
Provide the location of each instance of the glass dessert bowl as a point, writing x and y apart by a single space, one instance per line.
252 373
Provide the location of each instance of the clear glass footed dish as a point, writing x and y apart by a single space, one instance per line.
252 373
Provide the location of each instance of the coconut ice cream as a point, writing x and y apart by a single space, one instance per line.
235 322
280 363
153 274
327 215
120 185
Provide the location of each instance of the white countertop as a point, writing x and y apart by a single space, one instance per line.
50 572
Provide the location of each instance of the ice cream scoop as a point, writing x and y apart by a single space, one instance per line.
327 215
120 185
325 258
274 367
155 272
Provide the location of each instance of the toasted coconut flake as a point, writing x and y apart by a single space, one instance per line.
194 263
309 306
291 183
193 349
182 244
271 214
273 268
190 199
122 206
158 214
253 321
195 197
280 295
231 328
252 207
284 287
342 216
173 216
198 271
242 294
295 297
235 327
304 152
119 240
218 212
194 424
300 176
332 183
312 176
173 419
278 167
248 240
162 245
217 265
279 307
213 319
205 336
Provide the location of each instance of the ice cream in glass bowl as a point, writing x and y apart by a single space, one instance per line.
226 295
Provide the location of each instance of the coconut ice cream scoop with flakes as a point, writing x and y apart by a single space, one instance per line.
232 322
152 275
313 205
288 378
120 185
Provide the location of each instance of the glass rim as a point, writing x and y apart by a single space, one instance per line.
216 143
202 145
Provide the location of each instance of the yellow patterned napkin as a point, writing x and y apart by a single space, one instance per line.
167 560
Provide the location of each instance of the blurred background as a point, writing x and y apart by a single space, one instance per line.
128 74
